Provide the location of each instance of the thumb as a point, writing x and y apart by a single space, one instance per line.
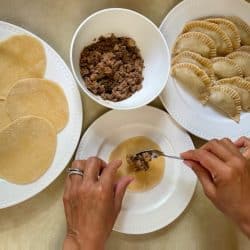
120 190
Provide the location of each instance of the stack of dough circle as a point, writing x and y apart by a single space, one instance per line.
27 148
143 180
39 97
32 111
22 57
223 55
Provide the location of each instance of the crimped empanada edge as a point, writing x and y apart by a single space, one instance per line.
212 26
231 26
203 38
236 97
231 62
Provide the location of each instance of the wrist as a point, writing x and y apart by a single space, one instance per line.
72 243
244 222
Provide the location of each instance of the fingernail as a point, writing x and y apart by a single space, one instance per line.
187 163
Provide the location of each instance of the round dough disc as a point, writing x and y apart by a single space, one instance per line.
21 56
4 118
27 148
143 180
38 97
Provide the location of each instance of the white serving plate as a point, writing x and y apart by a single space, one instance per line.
201 121
144 212
67 140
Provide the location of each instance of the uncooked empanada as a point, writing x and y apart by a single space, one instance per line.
224 68
229 28
242 87
222 41
197 59
193 79
226 100
243 28
195 42
245 48
242 58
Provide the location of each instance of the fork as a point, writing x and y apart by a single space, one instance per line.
154 153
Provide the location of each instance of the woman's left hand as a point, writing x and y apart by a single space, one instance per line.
92 203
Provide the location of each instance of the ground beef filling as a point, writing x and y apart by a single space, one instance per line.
112 67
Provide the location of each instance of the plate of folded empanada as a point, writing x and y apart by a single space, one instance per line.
208 90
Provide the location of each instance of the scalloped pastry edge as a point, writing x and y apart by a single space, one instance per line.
231 26
202 37
213 27
231 62
197 57
236 97
237 81
199 73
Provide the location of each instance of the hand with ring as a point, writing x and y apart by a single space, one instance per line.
92 202
224 172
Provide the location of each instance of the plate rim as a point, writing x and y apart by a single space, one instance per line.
194 181
80 113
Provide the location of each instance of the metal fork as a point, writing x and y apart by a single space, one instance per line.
157 153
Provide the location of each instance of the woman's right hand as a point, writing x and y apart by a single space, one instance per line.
224 173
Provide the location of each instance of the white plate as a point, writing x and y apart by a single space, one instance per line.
67 140
188 112
144 212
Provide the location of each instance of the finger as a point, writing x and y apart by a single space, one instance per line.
242 142
66 199
109 173
204 177
120 191
94 166
219 149
76 180
230 146
207 160
67 186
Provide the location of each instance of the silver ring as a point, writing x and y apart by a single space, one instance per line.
72 171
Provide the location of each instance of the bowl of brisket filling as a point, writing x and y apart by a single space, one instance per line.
119 58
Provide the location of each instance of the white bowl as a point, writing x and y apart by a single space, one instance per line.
150 41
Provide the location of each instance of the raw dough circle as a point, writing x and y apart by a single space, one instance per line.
21 56
39 97
143 180
27 148
4 118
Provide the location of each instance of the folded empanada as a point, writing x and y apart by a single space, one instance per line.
222 41
242 87
247 78
195 42
245 48
229 28
194 58
243 28
242 58
225 68
193 79
226 100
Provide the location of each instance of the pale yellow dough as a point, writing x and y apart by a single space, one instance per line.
39 97
4 118
27 148
21 56
143 180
